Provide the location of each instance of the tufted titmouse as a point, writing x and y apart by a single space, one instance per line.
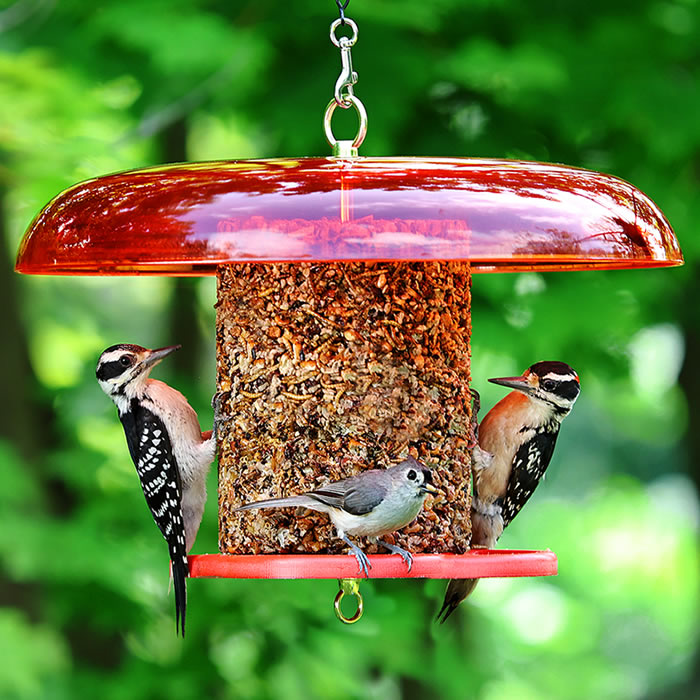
373 503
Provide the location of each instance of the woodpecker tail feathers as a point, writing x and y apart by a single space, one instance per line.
457 590
180 572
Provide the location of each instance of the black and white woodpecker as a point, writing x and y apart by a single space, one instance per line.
171 453
516 443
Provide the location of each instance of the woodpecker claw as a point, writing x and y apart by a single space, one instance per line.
474 425
219 416
476 401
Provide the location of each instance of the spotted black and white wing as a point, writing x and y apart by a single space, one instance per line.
529 466
152 454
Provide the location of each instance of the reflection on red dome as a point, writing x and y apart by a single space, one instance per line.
502 215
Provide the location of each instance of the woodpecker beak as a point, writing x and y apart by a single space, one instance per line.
157 355
519 383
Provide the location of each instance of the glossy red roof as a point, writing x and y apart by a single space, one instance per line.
502 215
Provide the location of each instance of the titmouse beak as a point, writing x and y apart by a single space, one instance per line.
157 355
427 486
430 488
519 383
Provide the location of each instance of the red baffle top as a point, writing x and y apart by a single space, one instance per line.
501 215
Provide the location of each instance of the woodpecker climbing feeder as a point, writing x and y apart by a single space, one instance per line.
343 318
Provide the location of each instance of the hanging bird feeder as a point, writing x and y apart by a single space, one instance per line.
343 317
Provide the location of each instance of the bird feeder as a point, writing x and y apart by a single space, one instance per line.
343 317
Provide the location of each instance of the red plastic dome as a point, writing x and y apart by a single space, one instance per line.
500 215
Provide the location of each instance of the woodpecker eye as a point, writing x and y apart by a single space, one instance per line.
124 360
412 474
548 384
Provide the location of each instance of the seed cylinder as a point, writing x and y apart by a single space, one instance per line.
328 369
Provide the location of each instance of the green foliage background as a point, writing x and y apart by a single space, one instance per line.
88 89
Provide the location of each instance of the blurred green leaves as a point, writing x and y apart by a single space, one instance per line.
32 655
525 71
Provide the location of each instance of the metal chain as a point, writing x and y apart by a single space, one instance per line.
342 6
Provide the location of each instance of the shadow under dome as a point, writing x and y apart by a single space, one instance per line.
500 215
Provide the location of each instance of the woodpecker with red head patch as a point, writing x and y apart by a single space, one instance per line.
170 452
516 443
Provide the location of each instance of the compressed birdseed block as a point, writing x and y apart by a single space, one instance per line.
328 369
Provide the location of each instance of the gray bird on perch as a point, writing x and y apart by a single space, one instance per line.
373 503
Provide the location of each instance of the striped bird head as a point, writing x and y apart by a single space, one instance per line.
552 383
122 370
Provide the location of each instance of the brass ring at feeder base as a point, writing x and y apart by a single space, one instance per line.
348 586
345 148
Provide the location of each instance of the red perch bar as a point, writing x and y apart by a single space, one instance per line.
477 563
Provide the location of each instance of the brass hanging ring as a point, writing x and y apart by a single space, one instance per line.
351 100
348 586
